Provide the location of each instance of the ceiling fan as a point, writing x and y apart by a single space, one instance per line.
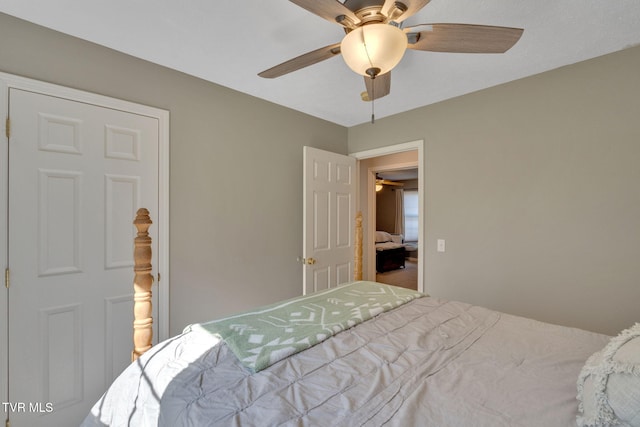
375 40
381 182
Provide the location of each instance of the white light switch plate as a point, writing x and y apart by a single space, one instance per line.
440 245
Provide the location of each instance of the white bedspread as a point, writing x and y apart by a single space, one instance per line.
429 362
388 245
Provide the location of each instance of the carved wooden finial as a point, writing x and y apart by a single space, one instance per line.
357 265
143 321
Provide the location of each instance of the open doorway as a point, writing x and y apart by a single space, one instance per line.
378 164
396 235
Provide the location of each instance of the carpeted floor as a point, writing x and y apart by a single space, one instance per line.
406 277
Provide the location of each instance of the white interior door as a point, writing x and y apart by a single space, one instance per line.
329 219
77 174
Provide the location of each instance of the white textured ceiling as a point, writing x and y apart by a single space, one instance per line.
228 42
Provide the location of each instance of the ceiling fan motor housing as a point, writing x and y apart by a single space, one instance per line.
370 11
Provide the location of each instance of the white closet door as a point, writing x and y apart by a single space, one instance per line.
77 175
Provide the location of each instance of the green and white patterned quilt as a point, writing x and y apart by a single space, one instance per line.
268 334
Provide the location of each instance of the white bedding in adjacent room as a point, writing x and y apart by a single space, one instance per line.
388 245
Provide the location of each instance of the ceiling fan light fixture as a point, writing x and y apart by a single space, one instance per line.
373 49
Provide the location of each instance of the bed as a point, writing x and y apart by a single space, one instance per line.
390 251
368 354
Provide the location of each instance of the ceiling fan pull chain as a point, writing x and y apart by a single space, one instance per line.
373 99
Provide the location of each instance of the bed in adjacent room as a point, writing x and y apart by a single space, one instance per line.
369 354
390 251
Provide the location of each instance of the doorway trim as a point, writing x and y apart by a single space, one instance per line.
10 81
383 151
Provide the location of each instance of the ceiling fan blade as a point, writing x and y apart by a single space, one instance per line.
331 10
302 61
412 7
387 182
463 38
378 87
388 7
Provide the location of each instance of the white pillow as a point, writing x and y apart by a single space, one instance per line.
397 238
609 383
382 236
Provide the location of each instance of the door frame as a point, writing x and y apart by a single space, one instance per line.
370 208
9 81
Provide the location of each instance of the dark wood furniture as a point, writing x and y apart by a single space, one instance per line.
390 259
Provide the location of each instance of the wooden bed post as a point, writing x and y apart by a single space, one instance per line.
143 322
357 265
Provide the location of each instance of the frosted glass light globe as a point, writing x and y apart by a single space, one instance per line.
373 49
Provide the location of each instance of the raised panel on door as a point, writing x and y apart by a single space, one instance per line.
343 227
61 356
118 310
122 199
344 273
321 221
321 278
59 222
78 174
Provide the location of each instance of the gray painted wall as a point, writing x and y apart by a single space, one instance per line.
535 186
235 175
